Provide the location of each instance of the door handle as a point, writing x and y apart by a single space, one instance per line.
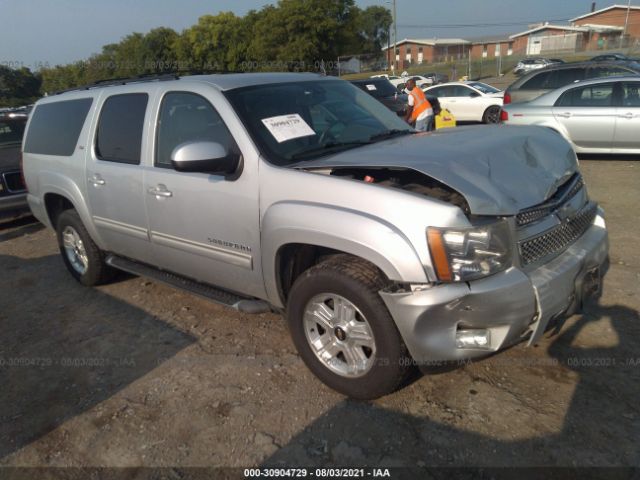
97 180
160 191
627 115
565 114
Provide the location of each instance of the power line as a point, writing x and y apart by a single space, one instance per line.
610 16
465 25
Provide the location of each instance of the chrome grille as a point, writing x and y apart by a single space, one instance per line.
556 240
565 193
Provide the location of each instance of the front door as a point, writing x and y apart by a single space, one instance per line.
114 176
627 136
589 115
203 226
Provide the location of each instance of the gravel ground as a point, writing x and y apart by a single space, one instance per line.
138 374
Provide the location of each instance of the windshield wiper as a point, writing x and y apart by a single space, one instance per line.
328 148
389 134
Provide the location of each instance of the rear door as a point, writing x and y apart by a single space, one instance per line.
114 175
588 114
446 95
627 134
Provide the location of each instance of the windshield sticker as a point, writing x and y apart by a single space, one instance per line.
371 87
287 127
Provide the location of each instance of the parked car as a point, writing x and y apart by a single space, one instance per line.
383 91
436 78
469 101
555 76
384 75
529 64
595 116
13 196
400 82
303 194
611 57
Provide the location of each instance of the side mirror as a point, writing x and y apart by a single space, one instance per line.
474 94
204 157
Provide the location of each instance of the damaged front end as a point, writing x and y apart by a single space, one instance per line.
534 249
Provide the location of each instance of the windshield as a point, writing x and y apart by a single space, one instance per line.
483 87
292 122
11 131
377 88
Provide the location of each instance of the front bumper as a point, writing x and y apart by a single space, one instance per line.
512 305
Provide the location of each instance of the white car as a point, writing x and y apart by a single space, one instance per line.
397 81
469 101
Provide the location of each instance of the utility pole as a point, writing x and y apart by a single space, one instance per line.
389 49
626 23
395 31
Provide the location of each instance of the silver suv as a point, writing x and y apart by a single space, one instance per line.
302 194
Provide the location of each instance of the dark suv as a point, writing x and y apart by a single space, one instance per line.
544 80
383 90
13 195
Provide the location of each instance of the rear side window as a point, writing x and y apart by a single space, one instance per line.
564 76
598 72
119 137
537 82
441 92
55 127
600 95
11 132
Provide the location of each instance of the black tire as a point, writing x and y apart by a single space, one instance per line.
97 271
492 114
359 282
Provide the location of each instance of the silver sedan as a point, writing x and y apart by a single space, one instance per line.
596 116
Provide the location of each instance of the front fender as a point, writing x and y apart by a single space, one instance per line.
348 231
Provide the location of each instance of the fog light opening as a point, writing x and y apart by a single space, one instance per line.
474 339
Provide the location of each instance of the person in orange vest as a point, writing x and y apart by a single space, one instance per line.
419 112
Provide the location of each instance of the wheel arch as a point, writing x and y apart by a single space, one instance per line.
296 236
60 193
484 113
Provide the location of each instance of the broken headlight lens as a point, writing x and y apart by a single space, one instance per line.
464 254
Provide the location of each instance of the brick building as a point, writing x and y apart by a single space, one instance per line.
611 27
607 24
410 52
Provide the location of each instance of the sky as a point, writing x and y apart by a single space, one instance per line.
34 33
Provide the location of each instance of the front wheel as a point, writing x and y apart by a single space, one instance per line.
343 330
492 114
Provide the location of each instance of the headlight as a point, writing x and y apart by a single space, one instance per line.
463 254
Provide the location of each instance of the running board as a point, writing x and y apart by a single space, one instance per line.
223 297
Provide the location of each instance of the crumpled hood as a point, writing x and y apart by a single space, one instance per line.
499 169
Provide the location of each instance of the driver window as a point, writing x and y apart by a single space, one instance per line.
631 94
187 117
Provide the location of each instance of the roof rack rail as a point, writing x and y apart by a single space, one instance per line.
147 77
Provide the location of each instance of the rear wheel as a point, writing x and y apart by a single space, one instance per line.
492 114
82 257
344 332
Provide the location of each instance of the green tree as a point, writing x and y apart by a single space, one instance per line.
373 27
296 34
18 86
216 42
